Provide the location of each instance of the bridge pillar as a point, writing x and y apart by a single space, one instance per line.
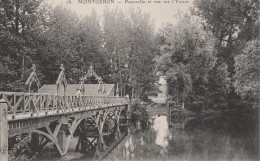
35 143
3 131
62 139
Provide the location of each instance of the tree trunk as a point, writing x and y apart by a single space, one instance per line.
177 94
124 91
182 106
22 76
183 100
137 92
133 91
121 84
17 16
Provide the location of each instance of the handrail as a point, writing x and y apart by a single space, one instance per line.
38 104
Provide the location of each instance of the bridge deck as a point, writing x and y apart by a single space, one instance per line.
29 111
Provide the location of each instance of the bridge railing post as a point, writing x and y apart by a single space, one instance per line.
3 131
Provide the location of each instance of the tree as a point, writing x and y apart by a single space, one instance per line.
218 86
187 57
57 45
247 77
129 42
232 22
141 55
90 45
19 25
117 29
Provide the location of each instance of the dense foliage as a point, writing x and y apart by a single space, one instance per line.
130 47
119 46
211 57
138 114
234 24
247 77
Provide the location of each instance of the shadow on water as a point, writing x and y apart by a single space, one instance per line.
202 138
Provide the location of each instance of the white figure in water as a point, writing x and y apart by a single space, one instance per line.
163 135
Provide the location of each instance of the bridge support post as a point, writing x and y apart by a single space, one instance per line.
35 143
3 131
62 138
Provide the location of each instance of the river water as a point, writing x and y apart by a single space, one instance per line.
195 139
211 138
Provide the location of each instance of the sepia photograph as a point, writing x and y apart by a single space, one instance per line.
129 80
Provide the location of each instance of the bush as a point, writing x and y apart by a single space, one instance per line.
138 113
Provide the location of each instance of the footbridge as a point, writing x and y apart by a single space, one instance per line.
98 122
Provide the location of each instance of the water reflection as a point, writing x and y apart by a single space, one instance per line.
129 149
196 139
163 135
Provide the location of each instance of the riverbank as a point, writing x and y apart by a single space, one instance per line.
177 112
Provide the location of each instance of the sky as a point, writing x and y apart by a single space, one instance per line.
160 12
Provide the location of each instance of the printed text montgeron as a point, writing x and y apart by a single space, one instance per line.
95 1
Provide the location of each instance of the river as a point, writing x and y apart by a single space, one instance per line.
212 138
195 139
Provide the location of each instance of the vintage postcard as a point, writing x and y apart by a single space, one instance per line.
129 80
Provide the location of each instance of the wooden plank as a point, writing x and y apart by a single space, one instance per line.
18 103
27 105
